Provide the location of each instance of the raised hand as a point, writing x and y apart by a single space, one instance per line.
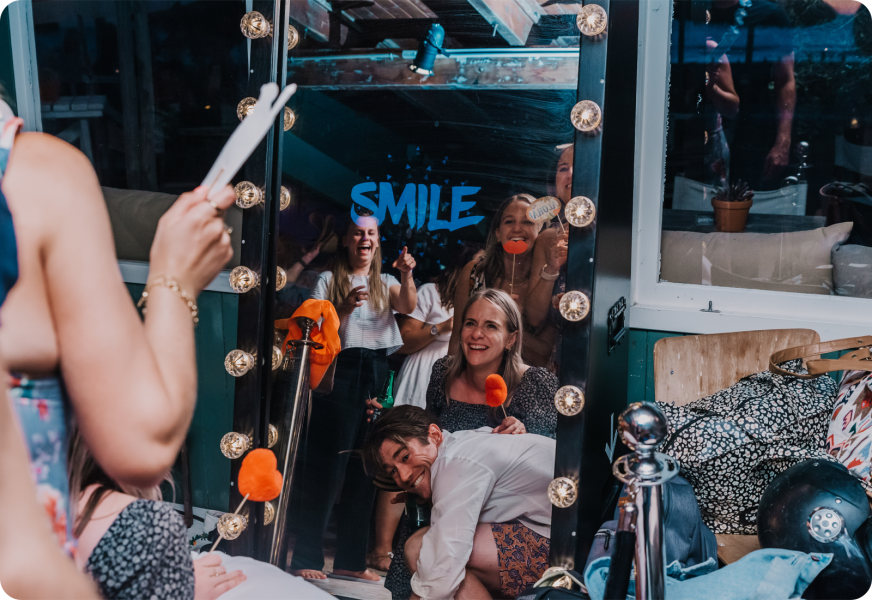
404 263
557 253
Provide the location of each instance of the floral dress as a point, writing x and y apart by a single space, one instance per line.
39 404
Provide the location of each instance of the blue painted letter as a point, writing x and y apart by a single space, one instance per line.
458 205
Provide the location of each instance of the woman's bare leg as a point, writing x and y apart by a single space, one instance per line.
387 517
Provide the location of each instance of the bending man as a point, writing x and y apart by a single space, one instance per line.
491 518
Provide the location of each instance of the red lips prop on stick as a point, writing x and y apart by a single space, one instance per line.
514 247
258 479
495 392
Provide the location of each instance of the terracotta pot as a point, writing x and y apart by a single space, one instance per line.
730 217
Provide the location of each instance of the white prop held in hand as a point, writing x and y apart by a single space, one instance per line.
247 136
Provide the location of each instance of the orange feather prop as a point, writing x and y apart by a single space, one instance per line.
258 477
495 390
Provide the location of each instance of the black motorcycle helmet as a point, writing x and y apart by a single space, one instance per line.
817 506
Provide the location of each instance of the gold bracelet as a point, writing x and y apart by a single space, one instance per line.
174 286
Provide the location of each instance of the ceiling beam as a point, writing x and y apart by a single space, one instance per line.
512 19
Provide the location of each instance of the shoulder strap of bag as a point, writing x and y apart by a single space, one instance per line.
860 360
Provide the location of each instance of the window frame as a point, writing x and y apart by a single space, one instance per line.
680 307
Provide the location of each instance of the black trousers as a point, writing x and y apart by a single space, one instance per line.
337 427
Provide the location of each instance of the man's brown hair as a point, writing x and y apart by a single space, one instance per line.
399 424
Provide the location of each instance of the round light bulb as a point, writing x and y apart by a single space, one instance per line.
580 211
586 116
562 492
247 194
592 20
285 198
273 436
276 358
574 306
269 513
242 279
231 526
569 400
238 362
290 118
281 278
254 25
293 36
233 445
245 106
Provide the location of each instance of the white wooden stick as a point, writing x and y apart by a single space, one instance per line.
236 512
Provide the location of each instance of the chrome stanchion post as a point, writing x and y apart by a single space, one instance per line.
295 371
644 427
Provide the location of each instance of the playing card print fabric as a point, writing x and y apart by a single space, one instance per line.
849 437
733 443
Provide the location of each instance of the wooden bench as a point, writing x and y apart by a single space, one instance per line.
694 366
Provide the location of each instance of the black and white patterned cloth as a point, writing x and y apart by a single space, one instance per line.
732 444
144 555
532 404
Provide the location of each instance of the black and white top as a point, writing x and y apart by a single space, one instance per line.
532 403
144 555
365 327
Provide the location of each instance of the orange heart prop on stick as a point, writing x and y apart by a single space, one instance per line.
514 247
258 479
495 392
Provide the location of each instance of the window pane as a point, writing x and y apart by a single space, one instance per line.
769 147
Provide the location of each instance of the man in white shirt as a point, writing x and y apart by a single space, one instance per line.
491 518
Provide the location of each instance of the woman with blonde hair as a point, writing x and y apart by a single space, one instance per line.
490 342
365 300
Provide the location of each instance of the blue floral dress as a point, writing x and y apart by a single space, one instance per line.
40 405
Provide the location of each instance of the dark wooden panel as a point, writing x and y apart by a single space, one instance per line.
312 17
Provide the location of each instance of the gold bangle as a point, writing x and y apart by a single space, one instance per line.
174 286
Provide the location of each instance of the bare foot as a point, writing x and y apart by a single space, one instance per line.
367 574
379 561
309 574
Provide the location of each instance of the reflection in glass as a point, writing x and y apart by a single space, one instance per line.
269 513
273 437
281 278
293 36
586 116
276 357
290 119
580 211
285 198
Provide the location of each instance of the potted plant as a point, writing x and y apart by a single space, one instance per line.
731 204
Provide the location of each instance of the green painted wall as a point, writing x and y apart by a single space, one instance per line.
215 336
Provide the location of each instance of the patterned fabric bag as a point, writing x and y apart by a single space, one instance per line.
732 444
849 437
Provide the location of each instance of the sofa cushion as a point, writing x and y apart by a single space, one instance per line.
797 262
852 271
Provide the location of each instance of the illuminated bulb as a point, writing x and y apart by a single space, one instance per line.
562 492
580 211
269 513
276 359
569 400
574 306
242 279
586 116
234 445
290 118
708 17
238 362
293 36
245 106
247 194
231 526
281 278
592 20
706 138
273 436
285 198
255 26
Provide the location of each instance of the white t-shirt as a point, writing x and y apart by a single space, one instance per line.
481 477
365 328
414 375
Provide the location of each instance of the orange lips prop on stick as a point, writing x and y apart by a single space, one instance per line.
495 392
258 479
514 247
